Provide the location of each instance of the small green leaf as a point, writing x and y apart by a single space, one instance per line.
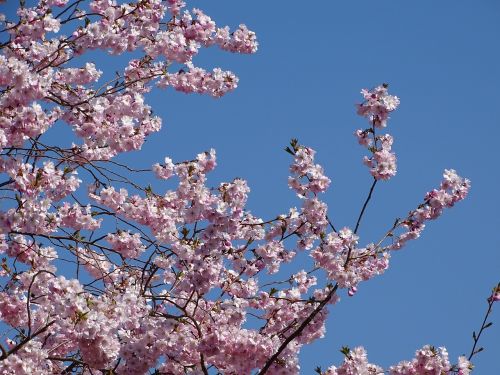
345 350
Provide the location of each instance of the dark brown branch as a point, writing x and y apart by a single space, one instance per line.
298 332
365 205
26 340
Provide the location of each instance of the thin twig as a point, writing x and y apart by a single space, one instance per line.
365 205
485 325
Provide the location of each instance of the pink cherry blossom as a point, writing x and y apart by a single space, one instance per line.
377 106
103 273
378 103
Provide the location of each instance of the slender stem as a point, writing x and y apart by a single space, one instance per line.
203 366
68 8
365 205
331 224
9 181
64 359
27 339
485 325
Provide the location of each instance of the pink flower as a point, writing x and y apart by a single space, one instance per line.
377 106
495 296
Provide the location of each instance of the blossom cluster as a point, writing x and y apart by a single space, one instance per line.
377 106
347 264
39 87
307 177
205 243
453 189
427 361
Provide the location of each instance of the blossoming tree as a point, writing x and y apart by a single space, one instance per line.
166 281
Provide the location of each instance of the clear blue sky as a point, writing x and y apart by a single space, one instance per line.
442 58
